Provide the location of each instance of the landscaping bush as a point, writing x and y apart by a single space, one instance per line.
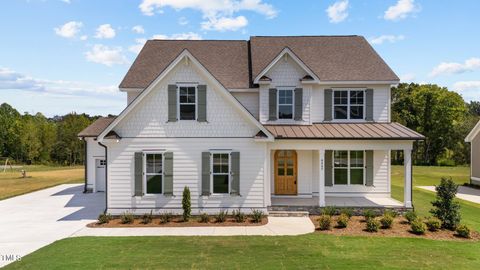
390 213
347 211
342 220
186 204
324 222
239 216
463 231
221 216
104 218
417 226
329 211
166 217
372 225
204 218
446 208
368 214
433 224
147 218
410 216
257 216
386 221
127 218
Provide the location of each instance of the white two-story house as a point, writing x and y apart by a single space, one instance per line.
266 123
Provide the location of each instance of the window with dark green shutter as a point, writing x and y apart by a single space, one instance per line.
348 167
153 173
272 104
138 167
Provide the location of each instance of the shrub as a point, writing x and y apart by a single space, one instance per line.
347 211
204 218
104 218
433 224
463 231
386 221
368 214
445 207
324 222
391 213
257 216
166 217
329 211
221 216
417 226
239 216
127 218
410 216
342 220
147 218
186 204
372 225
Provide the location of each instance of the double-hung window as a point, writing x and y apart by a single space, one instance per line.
285 104
348 167
153 173
220 173
348 104
187 105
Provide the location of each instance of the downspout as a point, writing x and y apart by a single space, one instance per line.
106 176
85 161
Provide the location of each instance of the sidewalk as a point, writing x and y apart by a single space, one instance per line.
464 193
275 226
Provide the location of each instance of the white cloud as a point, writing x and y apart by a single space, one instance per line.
182 21
225 24
456 68
401 10
105 55
105 31
189 35
337 12
470 90
138 29
139 42
67 1
407 77
383 38
84 37
69 29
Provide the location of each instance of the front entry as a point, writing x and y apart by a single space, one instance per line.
285 172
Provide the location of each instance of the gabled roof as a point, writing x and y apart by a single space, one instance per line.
473 133
95 128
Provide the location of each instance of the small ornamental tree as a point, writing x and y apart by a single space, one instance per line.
445 207
186 204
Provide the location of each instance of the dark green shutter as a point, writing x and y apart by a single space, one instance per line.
138 167
369 168
235 173
369 105
202 103
298 104
172 103
328 168
272 104
328 105
168 173
205 173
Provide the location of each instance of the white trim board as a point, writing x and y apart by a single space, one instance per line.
473 133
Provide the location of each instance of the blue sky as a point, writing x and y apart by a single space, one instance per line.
59 56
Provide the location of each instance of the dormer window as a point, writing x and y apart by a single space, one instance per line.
285 104
348 104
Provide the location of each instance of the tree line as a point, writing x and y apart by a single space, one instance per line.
441 115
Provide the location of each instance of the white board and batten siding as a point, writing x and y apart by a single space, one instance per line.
146 128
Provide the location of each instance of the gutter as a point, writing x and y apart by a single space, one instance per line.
106 176
85 161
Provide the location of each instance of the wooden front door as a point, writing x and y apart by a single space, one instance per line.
285 172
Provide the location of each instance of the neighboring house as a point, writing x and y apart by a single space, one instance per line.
474 139
267 123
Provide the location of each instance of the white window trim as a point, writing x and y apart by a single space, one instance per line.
228 152
348 104
196 100
293 103
144 172
348 168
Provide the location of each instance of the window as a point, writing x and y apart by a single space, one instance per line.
103 162
348 167
348 104
221 173
153 176
187 102
285 104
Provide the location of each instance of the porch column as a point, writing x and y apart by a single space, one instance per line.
407 196
321 180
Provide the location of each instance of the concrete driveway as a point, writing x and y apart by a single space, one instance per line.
37 219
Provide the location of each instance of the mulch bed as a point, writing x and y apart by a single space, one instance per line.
177 222
400 228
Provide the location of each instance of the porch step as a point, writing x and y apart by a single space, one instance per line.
288 213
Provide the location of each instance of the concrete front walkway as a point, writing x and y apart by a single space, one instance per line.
37 219
275 226
464 193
